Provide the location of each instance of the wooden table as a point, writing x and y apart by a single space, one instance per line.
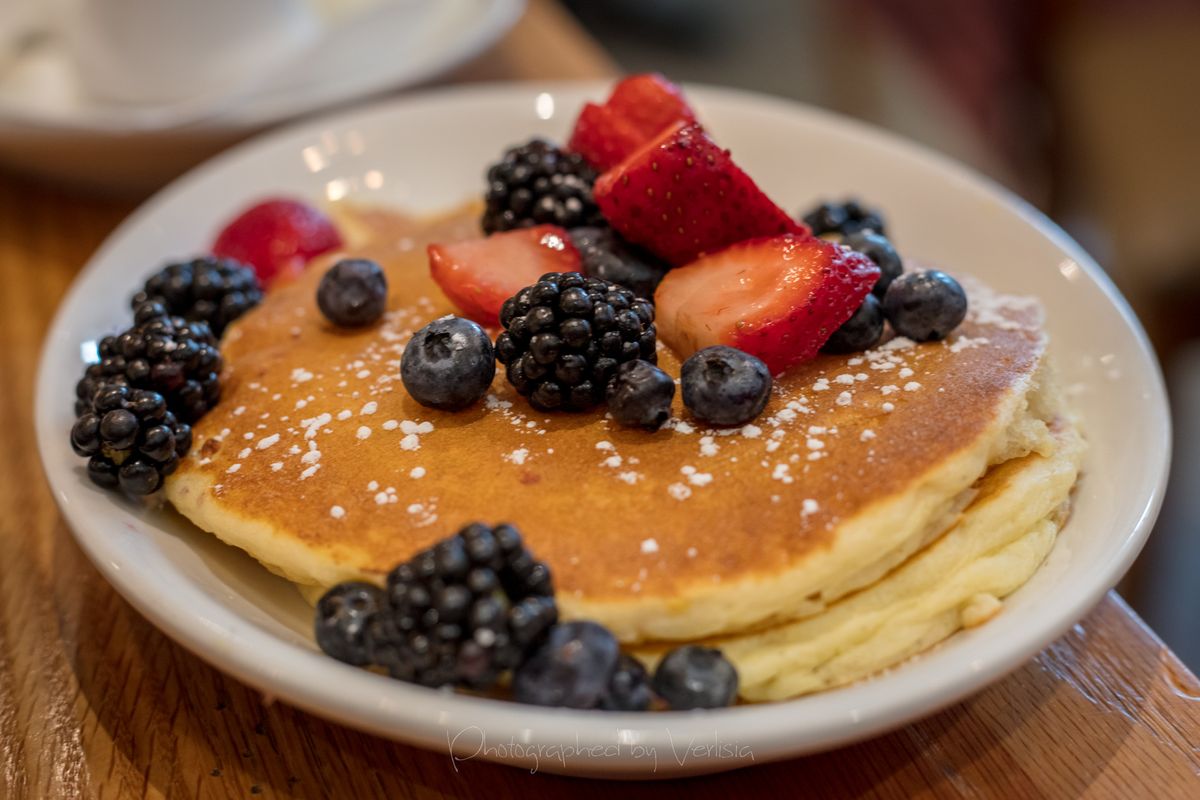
94 702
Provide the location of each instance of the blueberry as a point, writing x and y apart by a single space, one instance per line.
640 395
825 218
845 218
725 386
860 332
861 218
572 668
341 620
696 677
449 364
353 293
925 306
629 688
879 249
606 255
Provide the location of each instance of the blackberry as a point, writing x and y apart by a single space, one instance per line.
209 289
606 255
566 335
165 354
847 217
342 617
537 183
94 378
130 439
464 611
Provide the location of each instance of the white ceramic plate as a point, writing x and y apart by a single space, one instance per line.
429 152
48 124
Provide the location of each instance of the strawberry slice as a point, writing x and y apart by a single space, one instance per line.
603 138
278 237
650 103
779 298
639 108
681 195
478 275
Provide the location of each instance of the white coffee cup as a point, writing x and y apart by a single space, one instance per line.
151 52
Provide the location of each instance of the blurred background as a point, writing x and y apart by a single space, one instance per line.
1087 108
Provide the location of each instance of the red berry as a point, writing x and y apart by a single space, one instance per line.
778 298
278 237
478 275
603 138
681 195
640 107
650 103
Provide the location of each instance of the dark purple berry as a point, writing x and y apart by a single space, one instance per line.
353 293
725 386
925 306
693 676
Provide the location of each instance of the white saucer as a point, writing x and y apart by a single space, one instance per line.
49 125
429 152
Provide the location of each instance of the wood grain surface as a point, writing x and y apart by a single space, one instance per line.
94 702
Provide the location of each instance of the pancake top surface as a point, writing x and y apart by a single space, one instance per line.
316 437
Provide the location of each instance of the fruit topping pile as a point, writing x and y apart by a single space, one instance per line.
478 608
644 200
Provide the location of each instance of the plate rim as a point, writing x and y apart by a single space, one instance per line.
220 648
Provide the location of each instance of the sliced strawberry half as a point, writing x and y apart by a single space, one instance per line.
603 138
779 298
681 195
639 108
278 237
650 103
478 275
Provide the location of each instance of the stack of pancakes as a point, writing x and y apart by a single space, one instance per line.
882 500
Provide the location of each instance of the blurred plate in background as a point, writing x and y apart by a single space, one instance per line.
50 126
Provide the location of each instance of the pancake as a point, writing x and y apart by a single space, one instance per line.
319 464
992 548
